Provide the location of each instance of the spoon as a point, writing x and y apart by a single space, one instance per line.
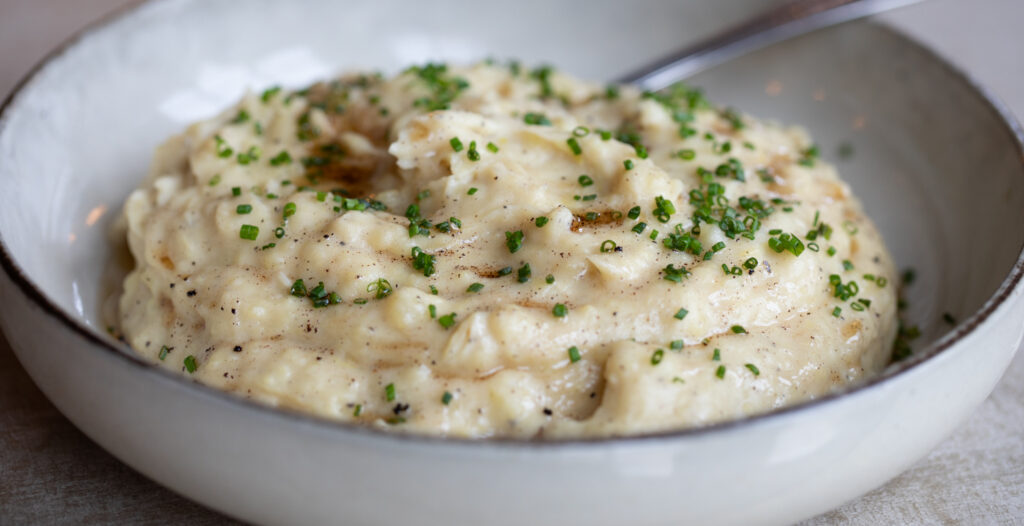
794 18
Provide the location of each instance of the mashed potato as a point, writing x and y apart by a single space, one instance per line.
496 252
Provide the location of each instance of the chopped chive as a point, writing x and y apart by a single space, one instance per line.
628 164
250 232
574 145
358 410
472 154
163 352
282 158
738 329
471 191
433 290
720 372
269 92
675 345
549 279
223 150
639 227
380 287
491 147
837 311
753 368
585 180
581 131
608 245
279 232
476 287
524 273
560 310
289 210
243 209
299 289
633 212
716 356
432 309
541 221
190 364
657 356
680 314
252 155
536 119
456 144
236 191
505 271
514 240
389 392
847 265
446 398
447 320
215 180
574 354
687 154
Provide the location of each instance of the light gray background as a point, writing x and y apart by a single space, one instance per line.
52 474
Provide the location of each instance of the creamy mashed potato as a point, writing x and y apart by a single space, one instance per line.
490 251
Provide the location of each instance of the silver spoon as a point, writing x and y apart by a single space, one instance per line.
792 19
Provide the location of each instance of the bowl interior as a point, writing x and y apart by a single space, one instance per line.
932 162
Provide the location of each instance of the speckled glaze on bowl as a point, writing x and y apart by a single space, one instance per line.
936 162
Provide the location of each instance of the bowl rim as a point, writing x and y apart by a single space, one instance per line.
345 429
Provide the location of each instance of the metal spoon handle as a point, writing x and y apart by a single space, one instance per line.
789 20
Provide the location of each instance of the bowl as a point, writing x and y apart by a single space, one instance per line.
937 163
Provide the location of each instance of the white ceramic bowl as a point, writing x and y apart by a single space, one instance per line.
937 163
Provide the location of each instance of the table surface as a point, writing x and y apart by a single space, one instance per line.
50 473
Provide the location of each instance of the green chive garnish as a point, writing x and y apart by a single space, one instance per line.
190 364
250 232
447 320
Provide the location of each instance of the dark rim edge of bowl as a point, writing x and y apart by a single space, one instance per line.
29 289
